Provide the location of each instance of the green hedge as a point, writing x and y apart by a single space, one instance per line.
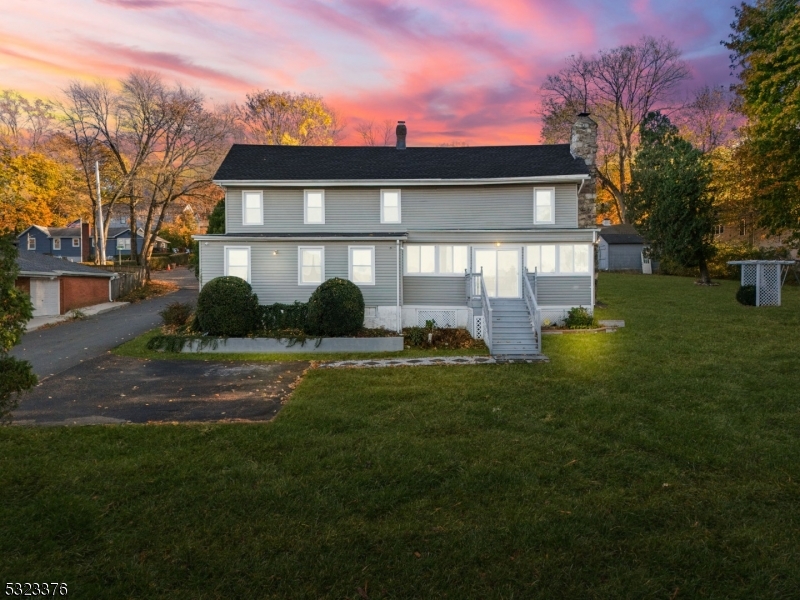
227 306
336 308
276 317
718 266
159 262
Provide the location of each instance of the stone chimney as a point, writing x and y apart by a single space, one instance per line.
583 144
401 135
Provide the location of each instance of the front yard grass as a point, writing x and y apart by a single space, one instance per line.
660 461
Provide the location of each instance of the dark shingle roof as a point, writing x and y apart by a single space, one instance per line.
59 232
33 262
321 234
621 234
287 163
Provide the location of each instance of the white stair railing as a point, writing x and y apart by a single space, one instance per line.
533 309
487 311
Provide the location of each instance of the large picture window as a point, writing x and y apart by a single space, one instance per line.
436 260
362 265
314 207
237 262
544 206
390 206
311 265
548 259
252 208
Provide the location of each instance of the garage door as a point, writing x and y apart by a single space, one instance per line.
45 297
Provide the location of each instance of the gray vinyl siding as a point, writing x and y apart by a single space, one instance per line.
358 209
623 257
274 276
564 290
434 291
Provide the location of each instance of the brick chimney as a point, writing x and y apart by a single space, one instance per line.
401 135
583 144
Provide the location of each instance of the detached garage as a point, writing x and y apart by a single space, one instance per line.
57 286
619 248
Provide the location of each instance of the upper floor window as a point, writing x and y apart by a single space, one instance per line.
252 209
719 229
31 243
390 206
311 267
76 242
314 207
558 258
362 265
544 209
237 262
56 243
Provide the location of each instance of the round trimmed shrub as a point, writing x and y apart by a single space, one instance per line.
336 308
746 295
227 306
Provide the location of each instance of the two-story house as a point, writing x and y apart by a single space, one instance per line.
496 239
70 242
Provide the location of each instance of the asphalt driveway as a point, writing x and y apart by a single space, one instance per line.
66 345
116 389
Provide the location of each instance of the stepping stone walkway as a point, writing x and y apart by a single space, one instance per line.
419 362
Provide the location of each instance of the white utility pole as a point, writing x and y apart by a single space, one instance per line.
101 241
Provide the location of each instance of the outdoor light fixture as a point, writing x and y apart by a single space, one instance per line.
497 244
274 253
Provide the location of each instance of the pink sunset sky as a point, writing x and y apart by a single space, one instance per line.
456 71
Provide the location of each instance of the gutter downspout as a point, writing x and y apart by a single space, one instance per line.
399 318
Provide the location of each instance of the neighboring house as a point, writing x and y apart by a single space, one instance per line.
71 242
619 248
57 286
414 228
119 240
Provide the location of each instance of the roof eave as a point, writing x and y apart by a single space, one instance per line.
397 182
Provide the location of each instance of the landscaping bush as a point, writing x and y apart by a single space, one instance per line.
336 308
718 266
177 314
579 318
227 306
160 262
746 295
277 317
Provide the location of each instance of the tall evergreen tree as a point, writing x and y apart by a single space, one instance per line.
15 310
669 199
765 46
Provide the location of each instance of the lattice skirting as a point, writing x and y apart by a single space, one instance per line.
442 318
477 328
768 284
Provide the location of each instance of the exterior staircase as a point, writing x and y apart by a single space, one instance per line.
513 337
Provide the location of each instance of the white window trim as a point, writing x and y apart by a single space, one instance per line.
300 264
56 243
305 207
552 206
399 206
249 260
31 246
558 272
350 263
260 206
437 269
76 242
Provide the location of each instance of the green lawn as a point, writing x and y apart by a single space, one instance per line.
661 461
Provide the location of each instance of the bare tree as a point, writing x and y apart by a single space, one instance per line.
708 120
24 124
288 119
376 134
619 87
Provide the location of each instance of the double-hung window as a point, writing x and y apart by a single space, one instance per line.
56 243
362 265
314 207
436 260
390 206
237 262
549 259
310 265
31 243
252 208
76 242
544 206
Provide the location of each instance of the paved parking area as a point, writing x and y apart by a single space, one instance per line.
117 389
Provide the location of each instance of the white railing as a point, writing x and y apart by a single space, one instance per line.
487 314
533 309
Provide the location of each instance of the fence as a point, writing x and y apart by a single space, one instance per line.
126 282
